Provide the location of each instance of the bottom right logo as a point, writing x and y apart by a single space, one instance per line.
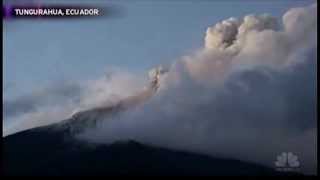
287 161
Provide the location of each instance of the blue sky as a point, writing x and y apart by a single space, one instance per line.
39 53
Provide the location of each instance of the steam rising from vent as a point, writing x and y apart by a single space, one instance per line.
248 94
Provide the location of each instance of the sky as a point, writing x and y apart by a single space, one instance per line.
146 34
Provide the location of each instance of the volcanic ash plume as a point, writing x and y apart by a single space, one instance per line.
248 94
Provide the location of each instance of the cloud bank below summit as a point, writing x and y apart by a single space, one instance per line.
248 94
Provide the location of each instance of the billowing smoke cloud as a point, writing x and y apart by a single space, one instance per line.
248 94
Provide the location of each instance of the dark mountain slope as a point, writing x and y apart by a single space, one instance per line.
52 151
